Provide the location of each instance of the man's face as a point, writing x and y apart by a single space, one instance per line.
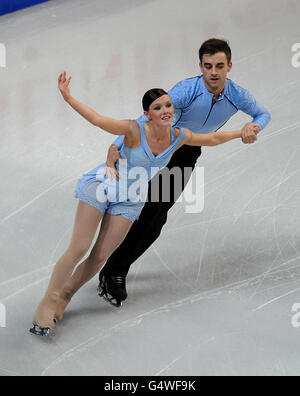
214 69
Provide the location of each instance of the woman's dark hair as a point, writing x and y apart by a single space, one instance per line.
151 95
212 46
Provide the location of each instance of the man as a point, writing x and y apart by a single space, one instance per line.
203 104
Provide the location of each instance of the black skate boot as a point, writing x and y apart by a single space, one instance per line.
113 289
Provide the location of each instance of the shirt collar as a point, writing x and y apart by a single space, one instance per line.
221 94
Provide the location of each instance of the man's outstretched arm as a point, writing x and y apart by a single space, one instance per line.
260 116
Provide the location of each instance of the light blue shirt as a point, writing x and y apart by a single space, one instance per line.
194 108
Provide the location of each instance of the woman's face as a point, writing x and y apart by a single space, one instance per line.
161 111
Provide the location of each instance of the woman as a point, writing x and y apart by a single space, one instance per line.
148 146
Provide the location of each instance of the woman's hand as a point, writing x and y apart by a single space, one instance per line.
110 167
63 85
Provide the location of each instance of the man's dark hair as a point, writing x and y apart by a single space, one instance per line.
151 95
212 46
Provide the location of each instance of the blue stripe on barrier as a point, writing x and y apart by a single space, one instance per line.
14 5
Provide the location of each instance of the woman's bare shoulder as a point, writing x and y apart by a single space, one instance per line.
133 139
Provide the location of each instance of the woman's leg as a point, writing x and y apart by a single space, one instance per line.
114 229
86 222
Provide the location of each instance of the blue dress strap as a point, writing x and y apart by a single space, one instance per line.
180 136
144 143
172 135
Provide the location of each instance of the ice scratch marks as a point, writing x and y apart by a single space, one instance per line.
276 299
6 372
279 131
102 335
234 175
36 198
218 219
251 56
169 269
190 349
110 332
65 233
277 186
22 283
60 183
273 211
19 279
262 137
19 291
169 365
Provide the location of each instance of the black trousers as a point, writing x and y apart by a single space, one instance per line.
147 228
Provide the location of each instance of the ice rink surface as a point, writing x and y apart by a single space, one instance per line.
214 295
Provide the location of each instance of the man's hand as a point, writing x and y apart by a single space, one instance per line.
113 156
249 133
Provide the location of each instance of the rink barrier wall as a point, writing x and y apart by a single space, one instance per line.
7 6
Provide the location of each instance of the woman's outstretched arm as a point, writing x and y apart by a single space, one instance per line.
111 125
210 139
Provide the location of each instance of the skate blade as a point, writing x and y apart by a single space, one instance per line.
111 300
39 331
